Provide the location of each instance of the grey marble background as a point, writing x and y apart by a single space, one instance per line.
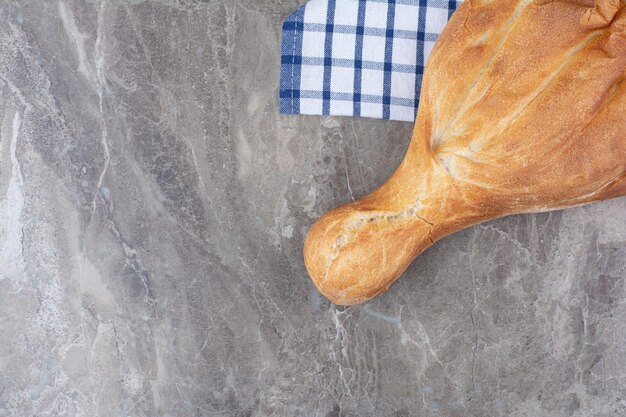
153 205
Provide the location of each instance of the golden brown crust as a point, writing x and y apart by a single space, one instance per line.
523 109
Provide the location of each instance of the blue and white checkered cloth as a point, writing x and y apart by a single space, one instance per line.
359 57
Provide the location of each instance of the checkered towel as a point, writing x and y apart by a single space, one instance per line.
359 57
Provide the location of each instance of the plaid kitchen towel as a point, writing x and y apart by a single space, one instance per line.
359 57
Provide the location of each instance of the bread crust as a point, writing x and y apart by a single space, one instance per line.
522 109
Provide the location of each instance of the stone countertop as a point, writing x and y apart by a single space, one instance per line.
153 205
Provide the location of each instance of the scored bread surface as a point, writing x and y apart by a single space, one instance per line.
522 109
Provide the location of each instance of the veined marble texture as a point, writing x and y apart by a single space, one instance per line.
153 206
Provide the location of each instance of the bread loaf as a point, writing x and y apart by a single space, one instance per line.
522 109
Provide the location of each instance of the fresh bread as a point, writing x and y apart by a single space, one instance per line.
522 109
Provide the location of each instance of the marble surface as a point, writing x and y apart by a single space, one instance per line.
153 205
